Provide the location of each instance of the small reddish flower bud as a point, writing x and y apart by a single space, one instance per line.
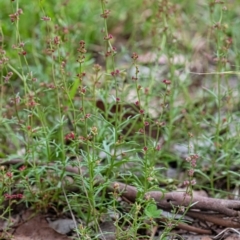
82 43
23 53
45 18
83 90
186 183
7 196
87 115
194 156
21 44
194 163
20 11
193 182
70 136
56 40
158 147
105 14
110 36
146 124
96 68
22 168
13 17
167 82
145 149
190 172
9 174
19 195
141 131
134 56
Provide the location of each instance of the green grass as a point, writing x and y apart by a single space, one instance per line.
119 120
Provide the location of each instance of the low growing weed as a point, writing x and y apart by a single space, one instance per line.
113 90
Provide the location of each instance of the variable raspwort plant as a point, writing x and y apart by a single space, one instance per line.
104 112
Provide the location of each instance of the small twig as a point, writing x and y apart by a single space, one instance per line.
189 228
225 230
153 232
215 218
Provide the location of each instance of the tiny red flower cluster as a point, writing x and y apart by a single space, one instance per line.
56 40
88 115
187 183
22 168
105 14
45 18
146 124
31 102
141 130
7 78
115 73
3 58
158 147
134 56
192 159
15 16
9 174
48 85
81 75
190 172
82 50
110 36
97 68
23 53
82 90
111 52
167 82
70 136
145 149
13 196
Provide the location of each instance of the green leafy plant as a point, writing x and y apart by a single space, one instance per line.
97 93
